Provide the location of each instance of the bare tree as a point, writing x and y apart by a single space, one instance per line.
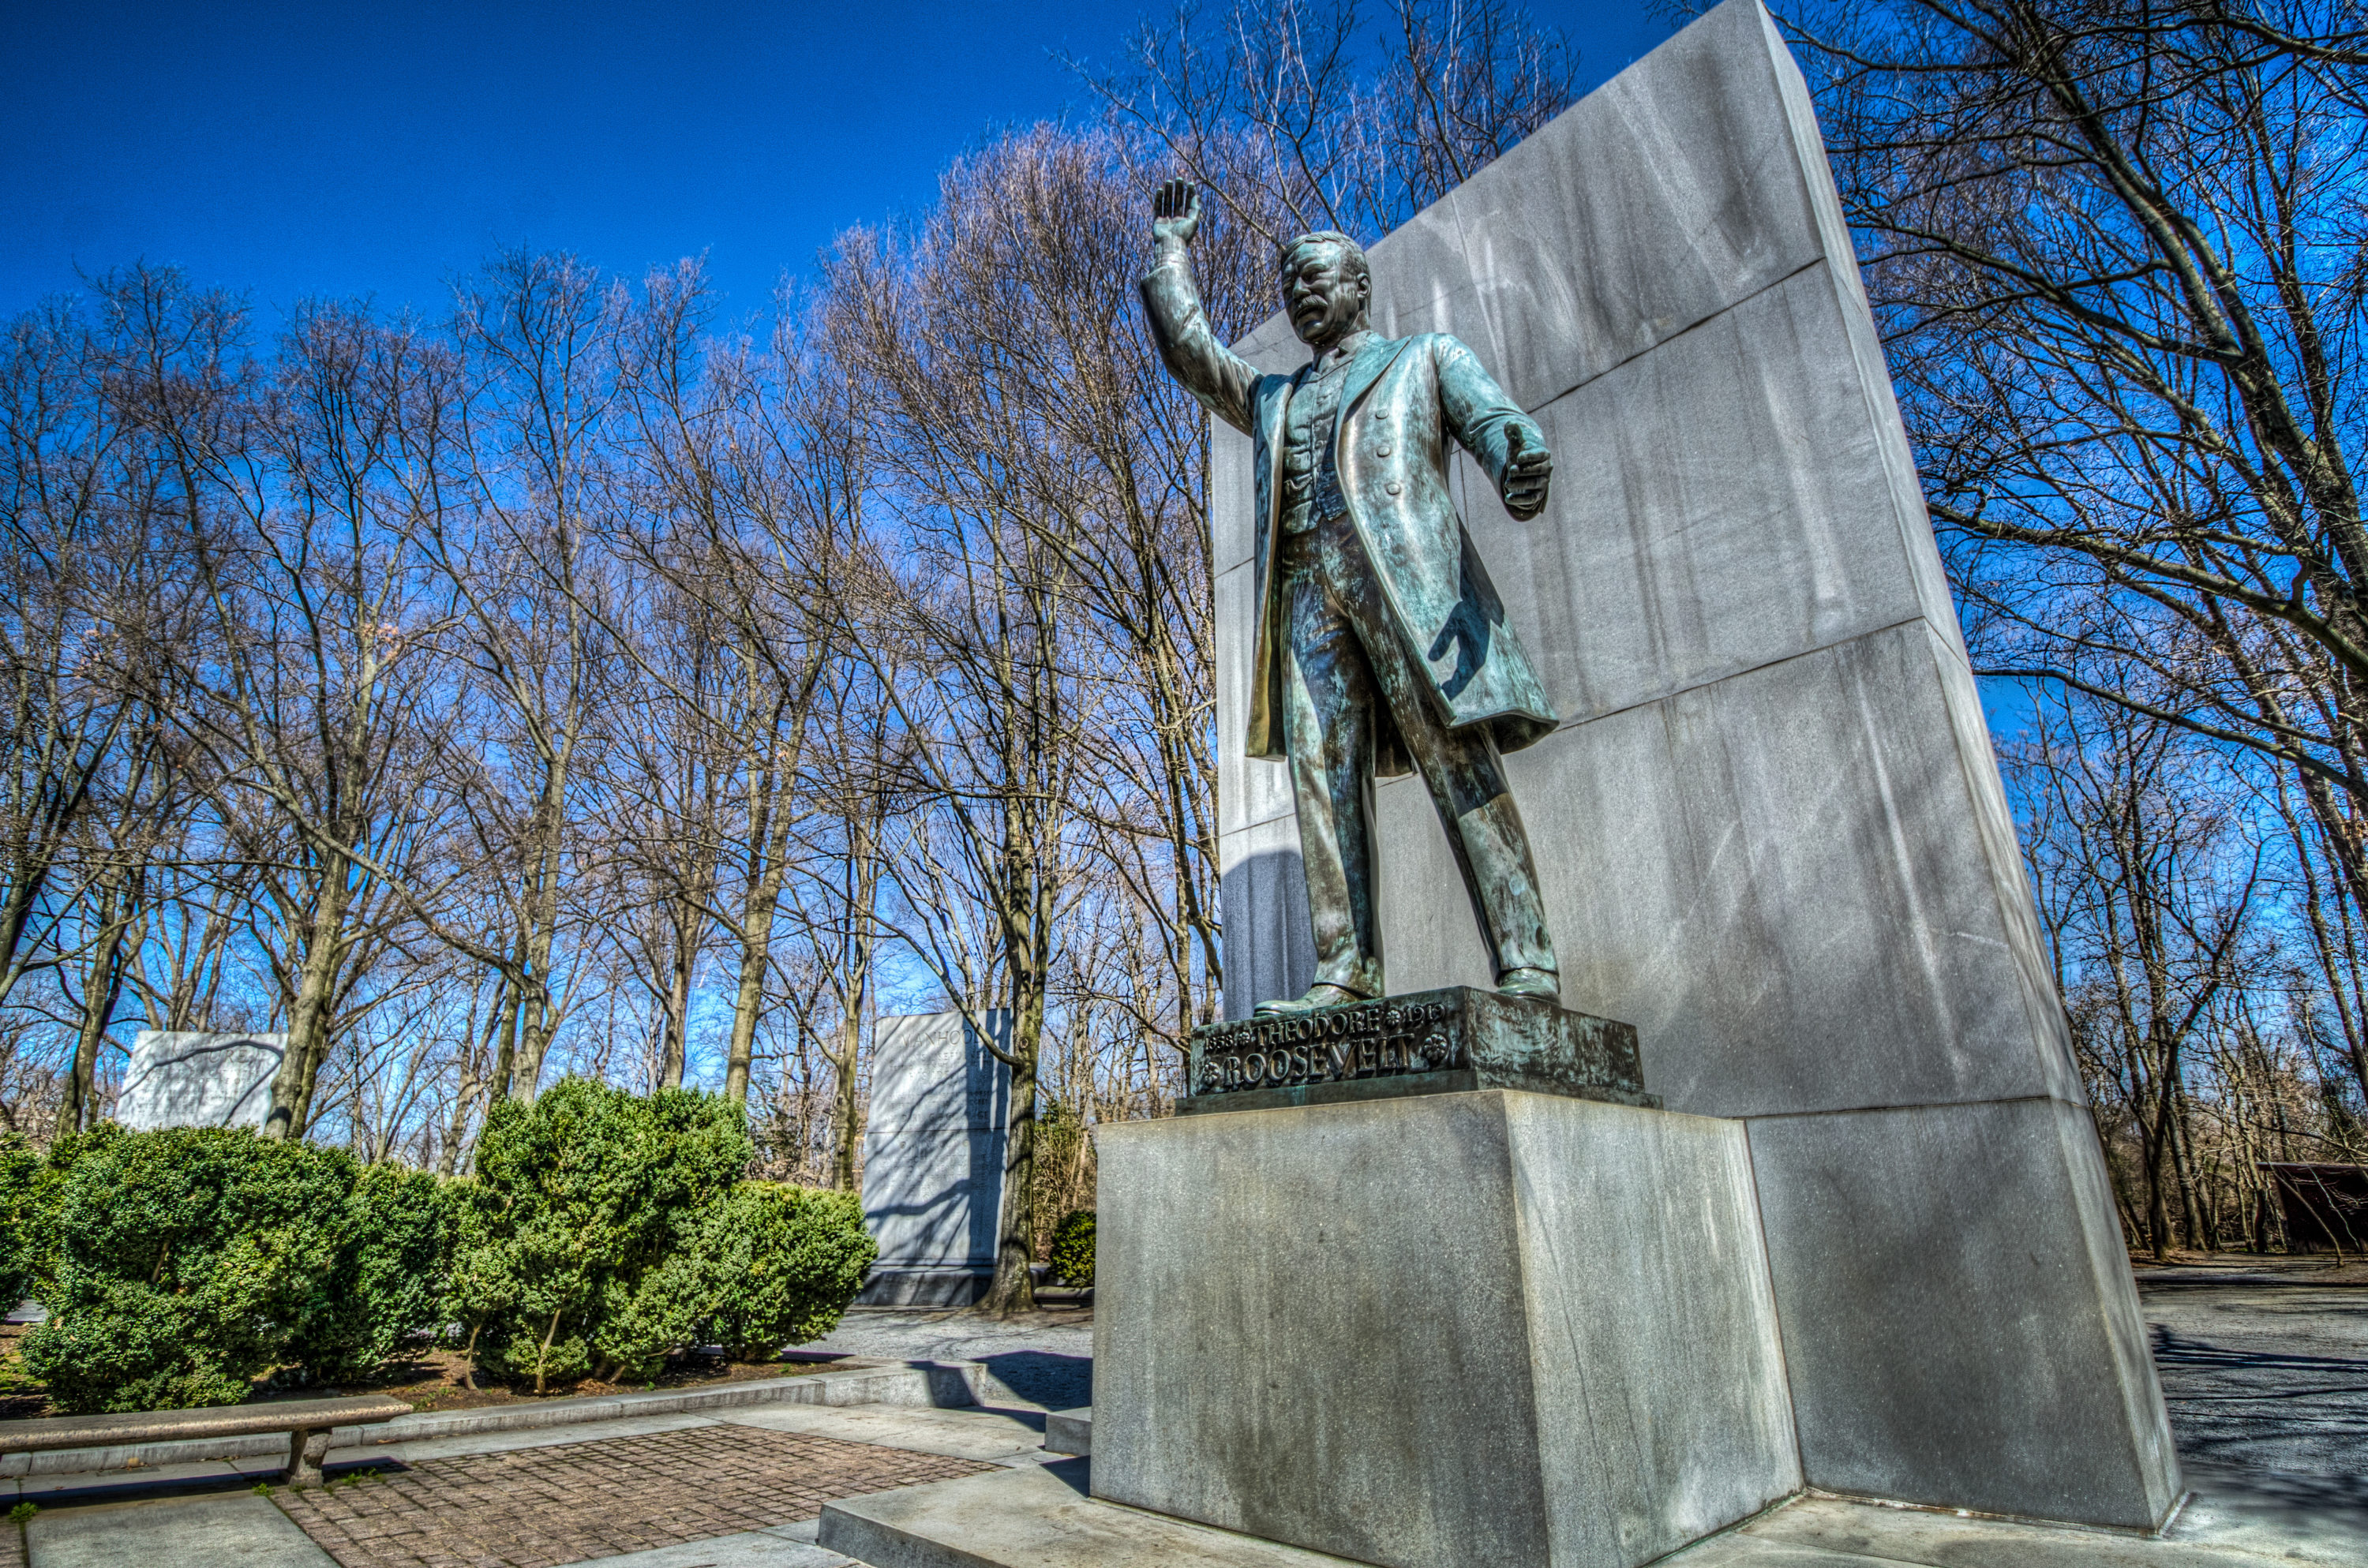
76 519
851 791
978 616
122 839
516 546
2117 254
1279 112
747 477
666 791
2146 887
299 703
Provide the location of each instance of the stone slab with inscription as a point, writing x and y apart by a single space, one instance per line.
199 1078
1445 1041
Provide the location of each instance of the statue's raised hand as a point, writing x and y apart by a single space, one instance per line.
1176 210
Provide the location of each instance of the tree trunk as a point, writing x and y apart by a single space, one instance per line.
100 993
674 1037
2158 1155
2202 1235
532 979
755 949
535 1043
770 790
505 1016
845 1127
1014 1289
447 1159
308 1019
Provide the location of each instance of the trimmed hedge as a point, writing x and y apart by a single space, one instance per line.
389 1286
605 1232
20 1177
781 1264
178 1266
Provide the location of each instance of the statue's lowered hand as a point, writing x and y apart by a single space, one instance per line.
1528 472
1176 210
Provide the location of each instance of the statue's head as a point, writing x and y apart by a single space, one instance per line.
1325 287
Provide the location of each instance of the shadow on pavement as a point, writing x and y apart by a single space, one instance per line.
2174 1349
1045 1377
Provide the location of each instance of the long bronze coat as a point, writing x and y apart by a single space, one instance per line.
1403 399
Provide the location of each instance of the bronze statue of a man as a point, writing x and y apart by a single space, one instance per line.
1380 641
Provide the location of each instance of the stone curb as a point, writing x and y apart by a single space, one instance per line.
936 1383
1069 1432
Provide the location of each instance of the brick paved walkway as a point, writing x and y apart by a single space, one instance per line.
538 1507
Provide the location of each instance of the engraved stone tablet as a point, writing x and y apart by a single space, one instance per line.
1430 1042
185 1078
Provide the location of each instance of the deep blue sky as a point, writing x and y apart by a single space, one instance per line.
346 149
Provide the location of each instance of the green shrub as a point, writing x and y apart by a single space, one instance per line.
764 1265
1073 1248
388 1287
781 1263
575 1248
602 1233
180 1264
20 1243
1064 1169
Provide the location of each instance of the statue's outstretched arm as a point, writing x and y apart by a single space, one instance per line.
1221 379
1506 441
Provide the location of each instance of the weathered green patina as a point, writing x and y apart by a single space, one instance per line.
1380 642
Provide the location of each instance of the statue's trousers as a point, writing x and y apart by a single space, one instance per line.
1346 659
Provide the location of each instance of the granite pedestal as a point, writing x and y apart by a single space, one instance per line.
933 1157
1770 830
1441 1330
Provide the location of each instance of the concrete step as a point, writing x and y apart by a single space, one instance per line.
1070 1431
1036 1518
1045 1517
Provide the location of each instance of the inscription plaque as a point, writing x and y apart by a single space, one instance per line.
1442 1041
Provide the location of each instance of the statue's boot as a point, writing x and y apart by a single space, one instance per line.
1322 993
1543 983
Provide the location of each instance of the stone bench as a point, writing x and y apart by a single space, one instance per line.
307 1422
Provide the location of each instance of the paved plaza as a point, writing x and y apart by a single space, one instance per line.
2265 1371
540 1507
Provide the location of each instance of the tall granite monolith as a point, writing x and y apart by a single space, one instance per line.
1771 829
933 1156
